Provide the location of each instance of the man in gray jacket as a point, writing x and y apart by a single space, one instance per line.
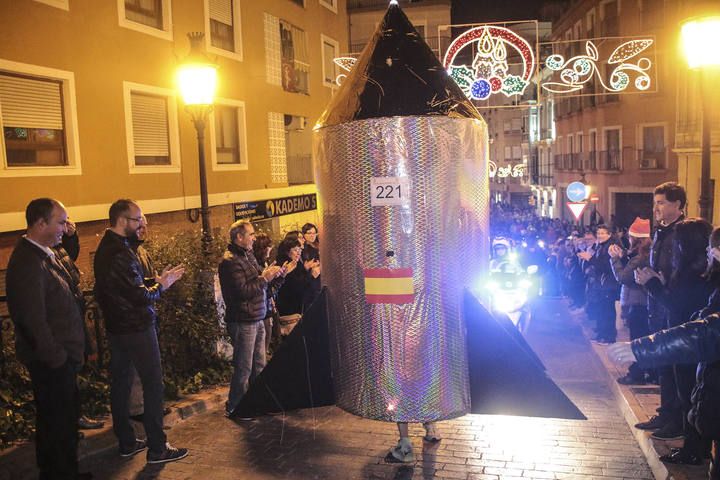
244 288
44 304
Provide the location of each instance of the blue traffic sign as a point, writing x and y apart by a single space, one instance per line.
576 192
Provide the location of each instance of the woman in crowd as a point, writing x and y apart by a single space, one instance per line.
311 250
295 294
633 298
261 249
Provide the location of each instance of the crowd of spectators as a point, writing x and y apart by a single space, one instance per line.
666 283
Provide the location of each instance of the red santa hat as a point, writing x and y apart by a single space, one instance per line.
640 228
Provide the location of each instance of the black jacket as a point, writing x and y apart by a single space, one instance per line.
601 283
661 255
44 308
693 342
243 289
126 302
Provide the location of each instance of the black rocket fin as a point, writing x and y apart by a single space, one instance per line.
299 374
512 330
397 74
504 378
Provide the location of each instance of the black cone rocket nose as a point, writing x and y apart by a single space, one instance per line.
397 75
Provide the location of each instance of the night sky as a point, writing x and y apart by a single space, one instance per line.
471 11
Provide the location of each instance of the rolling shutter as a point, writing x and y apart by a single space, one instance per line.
150 125
31 103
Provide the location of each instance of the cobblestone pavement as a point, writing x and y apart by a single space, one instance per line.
328 443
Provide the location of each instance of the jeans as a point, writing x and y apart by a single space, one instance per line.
139 350
248 340
58 406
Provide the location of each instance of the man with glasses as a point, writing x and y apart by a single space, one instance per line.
127 304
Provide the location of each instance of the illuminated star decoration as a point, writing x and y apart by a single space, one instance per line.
489 73
578 70
346 63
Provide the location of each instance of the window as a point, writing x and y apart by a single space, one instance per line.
223 27
330 51
508 154
329 4
590 21
147 16
295 63
151 129
299 2
652 14
298 150
227 135
652 154
609 24
39 121
516 152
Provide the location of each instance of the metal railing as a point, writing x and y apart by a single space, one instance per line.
591 161
651 159
611 160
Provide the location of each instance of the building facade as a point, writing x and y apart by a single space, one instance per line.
90 111
620 145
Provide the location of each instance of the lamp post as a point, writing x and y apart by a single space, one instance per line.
197 80
700 40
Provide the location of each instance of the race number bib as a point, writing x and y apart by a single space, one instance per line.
389 191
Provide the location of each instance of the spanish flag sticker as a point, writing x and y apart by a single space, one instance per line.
389 285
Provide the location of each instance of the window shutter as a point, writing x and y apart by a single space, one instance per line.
150 126
221 11
30 103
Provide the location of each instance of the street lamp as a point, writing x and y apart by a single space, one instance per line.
700 39
197 80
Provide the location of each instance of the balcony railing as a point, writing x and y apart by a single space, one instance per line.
611 160
591 161
651 159
578 161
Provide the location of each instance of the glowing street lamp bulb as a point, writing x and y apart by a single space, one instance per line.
700 38
391 407
197 83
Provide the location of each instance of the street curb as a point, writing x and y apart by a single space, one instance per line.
658 468
18 462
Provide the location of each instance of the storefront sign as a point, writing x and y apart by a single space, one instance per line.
265 209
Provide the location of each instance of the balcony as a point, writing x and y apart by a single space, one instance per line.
611 160
559 162
578 161
591 161
651 159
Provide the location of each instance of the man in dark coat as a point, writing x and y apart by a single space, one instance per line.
669 201
127 304
697 341
602 288
44 304
244 287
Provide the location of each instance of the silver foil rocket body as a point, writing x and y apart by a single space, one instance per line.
408 361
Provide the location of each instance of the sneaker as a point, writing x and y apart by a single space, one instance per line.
139 446
85 423
656 422
401 453
630 380
170 454
668 432
431 433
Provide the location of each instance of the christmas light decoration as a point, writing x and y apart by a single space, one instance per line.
515 171
346 63
489 73
579 70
